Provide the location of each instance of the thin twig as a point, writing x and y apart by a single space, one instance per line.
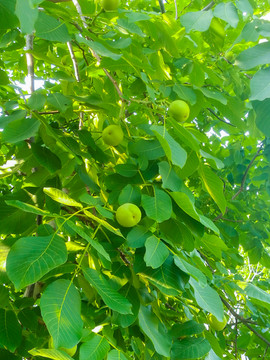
74 61
246 173
30 61
244 321
264 354
79 10
235 340
209 6
219 118
162 7
176 11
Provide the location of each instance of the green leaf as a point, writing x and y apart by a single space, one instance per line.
94 349
130 194
172 149
208 299
256 293
227 12
159 206
32 257
49 28
190 270
116 355
149 149
167 278
183 134
214 187
36 101
61 197
184 202
60 306
99 48
103 223
26 207
10 330
260 85
53 354
197 20
155 330
170 180
130 293
219 164
254 56
216 95
46 158
4 80
27 15
192 348
59 102
20 130
156 252
82 232
185 93
112 298
137 236
8 20
187 328
262 115
214 245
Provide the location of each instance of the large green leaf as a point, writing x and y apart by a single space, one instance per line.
112 298
214 186
208 299
155 330
60 306
174 152
94 349
32 257
27 15
262 115
157 207
254 56
20 130
184 202
260 85
187 328
197 20
191 348
227 12
149 149
46 158
156 252
10 330
214 244
190 270
49 28
257 293
130 293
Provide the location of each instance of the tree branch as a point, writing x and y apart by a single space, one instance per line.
244 321
176 11
79 10
219 118
74 61
209 6
246 173
161 5
30 61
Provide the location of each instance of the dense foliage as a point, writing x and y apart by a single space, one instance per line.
70 275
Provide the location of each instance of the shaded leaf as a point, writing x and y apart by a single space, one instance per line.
10 330
94 349
156 252
157 207
112 298
192 348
